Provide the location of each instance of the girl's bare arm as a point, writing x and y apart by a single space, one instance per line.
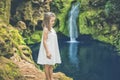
45 37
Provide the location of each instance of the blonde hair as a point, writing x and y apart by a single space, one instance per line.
46 20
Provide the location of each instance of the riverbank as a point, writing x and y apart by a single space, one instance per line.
30 72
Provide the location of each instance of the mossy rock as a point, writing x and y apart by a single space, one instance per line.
11 39
5 10
8 35
8 70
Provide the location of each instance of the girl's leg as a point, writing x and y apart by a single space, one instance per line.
47 72
51 72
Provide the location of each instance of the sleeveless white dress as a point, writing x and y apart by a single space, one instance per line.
52 44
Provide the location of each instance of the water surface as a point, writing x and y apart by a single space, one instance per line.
87 60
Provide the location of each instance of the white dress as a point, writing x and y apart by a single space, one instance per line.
52 44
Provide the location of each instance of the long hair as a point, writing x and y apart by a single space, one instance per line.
46 20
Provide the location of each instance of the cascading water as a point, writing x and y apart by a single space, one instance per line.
72 26
73 31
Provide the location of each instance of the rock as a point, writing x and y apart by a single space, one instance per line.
21 25
8 70
5 10
31 72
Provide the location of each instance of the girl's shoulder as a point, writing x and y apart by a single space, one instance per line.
45 29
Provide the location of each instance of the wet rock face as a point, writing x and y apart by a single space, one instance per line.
29 10
5 10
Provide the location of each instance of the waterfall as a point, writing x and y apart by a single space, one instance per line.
72 26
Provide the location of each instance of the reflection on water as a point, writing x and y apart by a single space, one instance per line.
90 60
73 50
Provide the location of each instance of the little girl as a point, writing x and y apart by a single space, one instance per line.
49 51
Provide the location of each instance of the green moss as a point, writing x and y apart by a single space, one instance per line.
91 22
5 10
17 39
84 27
93 28
10 39
62 16
84 2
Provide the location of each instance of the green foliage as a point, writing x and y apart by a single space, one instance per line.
108 8
62 13
102 23
87 20
112 9
84 2
56 6
34 38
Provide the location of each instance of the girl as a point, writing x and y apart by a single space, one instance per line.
49 51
